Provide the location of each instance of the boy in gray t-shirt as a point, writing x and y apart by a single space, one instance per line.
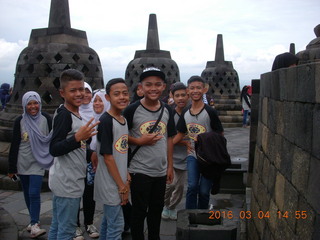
152 165
196 119
68 146
112 179
174 191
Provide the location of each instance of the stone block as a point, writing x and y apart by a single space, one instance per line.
275 86
300 169
286 158
284 231
291 83
317 82
291 203
316 227
265 171
252 231
279 117
264 137
272 221
313 184
289 121
259 133
305 84
265 88
278 150
193 224
272 115
305 226
279 191
283 85
271 180
316 131
303 125
264 110
270 153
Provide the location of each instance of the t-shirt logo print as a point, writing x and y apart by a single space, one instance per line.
145 127
195 129
121 144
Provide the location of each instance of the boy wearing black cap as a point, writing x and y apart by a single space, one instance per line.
196 119
151 166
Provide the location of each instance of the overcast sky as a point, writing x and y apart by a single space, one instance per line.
254 31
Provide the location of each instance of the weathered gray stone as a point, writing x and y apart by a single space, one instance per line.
317 82
271 180
265 171
303 125
272 115
277 151
265 84
313 184
275 86
272 221
279 117
286 158
291 203
264 136
316 132
264 111
279 191
305 226
316 228
300 169
291 79
289 121
305 84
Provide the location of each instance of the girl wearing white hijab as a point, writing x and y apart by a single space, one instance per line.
100 106
29 155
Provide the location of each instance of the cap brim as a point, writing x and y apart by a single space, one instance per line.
152 73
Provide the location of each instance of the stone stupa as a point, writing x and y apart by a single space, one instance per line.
152 56
224 87
50 51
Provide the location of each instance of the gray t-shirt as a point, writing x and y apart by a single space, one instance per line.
180 152
112 138
67 174
27 164
149 160
205 121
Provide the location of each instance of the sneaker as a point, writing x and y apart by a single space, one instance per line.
36 231
78 234
165 213
29 227
173 214
92 231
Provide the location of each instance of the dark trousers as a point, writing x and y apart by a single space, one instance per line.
147 194
89 205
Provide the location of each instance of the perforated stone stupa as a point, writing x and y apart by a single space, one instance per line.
152 56
224 87
50 51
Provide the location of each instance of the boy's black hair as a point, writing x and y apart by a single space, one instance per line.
177 86
70 75
112 82
196 79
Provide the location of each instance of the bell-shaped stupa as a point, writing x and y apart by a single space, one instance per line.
152 56
224 87
50 51
312 52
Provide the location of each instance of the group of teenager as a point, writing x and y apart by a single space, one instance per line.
86 150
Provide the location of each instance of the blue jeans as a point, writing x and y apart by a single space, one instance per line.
198 193
112 223
31 185
64 218
245 116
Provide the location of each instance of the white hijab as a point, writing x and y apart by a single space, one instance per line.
86 110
